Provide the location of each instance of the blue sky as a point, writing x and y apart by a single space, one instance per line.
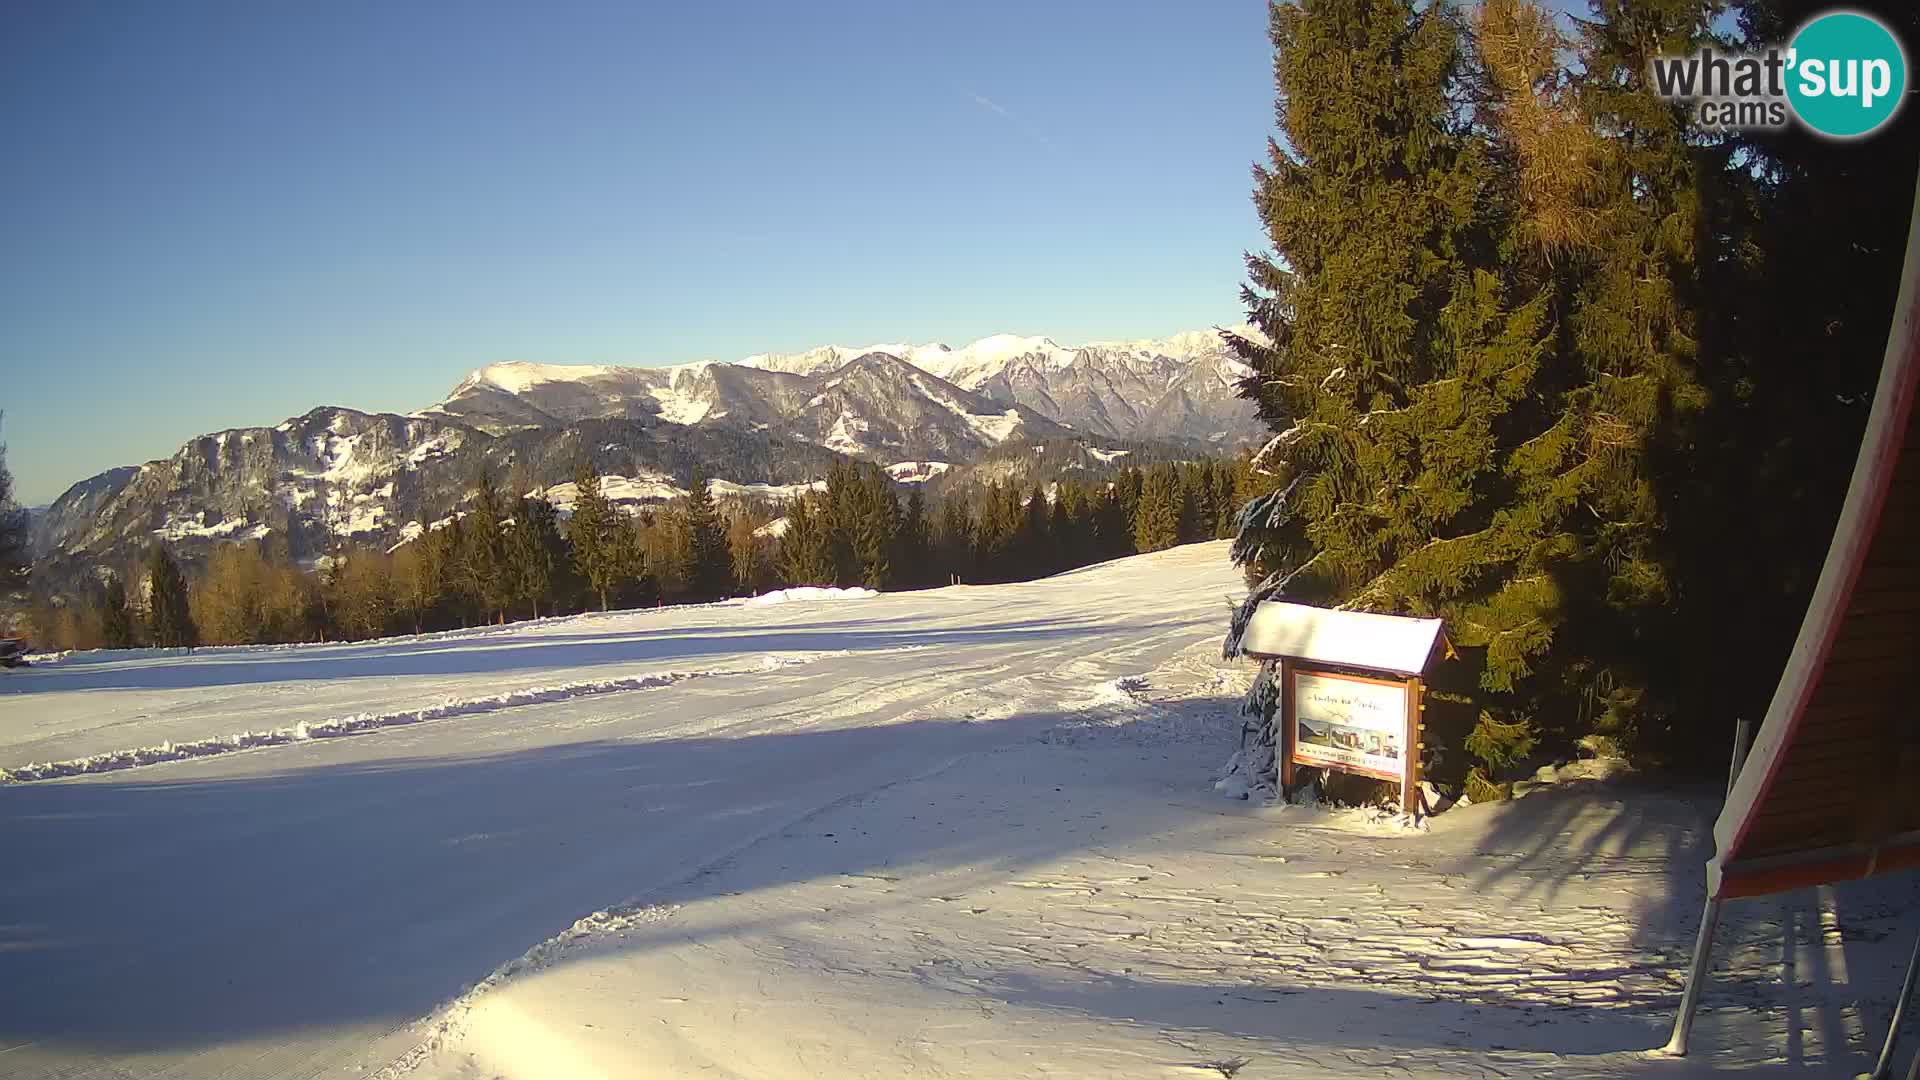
219 214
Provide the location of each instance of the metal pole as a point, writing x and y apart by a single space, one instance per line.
1696 979
1709 920
1742 741
1883 1069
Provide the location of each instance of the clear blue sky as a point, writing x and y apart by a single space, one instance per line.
219 214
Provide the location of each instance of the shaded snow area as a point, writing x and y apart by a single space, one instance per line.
961 832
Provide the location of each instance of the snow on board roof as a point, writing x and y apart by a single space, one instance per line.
1360 639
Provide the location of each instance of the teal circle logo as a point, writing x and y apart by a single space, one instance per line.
1847 74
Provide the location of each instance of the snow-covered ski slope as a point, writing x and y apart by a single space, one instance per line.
290 909
966 832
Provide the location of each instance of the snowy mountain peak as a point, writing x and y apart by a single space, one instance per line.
517 376
1183 387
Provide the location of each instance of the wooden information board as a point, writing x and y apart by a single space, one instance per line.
1350 690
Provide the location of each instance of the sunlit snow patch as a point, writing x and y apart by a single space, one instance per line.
811 592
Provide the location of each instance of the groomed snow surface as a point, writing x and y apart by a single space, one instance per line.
964 832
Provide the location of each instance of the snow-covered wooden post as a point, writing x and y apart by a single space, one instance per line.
1350 690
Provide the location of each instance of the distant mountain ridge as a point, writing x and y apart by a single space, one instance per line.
767 422
1183 387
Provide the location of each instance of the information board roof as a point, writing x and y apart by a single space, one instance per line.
1360 639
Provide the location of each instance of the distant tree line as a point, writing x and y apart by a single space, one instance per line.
503 557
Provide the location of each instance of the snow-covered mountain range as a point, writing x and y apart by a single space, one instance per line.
896 400
763 425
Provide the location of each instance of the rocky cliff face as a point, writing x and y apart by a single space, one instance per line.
338 476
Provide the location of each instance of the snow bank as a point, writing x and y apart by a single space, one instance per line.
116 760
810 592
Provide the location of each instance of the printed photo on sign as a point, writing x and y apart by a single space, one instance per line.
1350 724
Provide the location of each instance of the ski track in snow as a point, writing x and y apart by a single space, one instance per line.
280 914
358 723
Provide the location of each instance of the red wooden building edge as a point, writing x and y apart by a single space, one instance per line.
1831 790
1764 877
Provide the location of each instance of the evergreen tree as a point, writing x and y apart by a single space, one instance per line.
918 567
1156 519
845 510
116 621
1036 539
1062 530
1799 257
874 512
1122 508
170 619
953 539
806 555
1188 480
536 553
641 577
706 570
595 533
1225 504
1429 463
997 526
483 566
440 549
1620 207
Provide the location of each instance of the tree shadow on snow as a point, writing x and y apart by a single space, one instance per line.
1828 959
158 911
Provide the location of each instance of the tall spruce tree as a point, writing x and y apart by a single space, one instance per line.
1423 464
1126 491
483 549
706 571
116 620
994 530
873 514
1156 517
953 539
916 562
536 553
1193 509
1036 539
1635 323
170 618
1624 213
1063 529
595 533
806 555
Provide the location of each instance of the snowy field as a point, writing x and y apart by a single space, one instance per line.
965 832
